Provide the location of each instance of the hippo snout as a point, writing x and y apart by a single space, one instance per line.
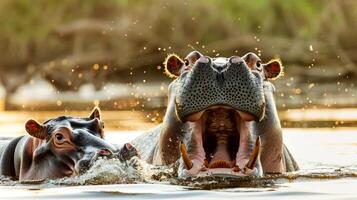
91 155
83 165
126 152
220 81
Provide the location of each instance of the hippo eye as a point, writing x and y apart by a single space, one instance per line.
59 137
259 64
186 62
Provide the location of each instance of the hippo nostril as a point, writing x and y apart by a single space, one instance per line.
235 60
105 152
128 146
203 59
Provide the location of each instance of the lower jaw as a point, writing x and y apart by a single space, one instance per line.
222 167
227 172
234 172
220 164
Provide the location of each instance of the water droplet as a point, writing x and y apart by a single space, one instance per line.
96 66
96 102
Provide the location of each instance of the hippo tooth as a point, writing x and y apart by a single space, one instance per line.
185 157
254 156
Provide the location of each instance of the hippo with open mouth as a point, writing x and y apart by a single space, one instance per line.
63 146
220 120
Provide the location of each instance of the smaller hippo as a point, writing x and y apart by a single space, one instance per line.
62 146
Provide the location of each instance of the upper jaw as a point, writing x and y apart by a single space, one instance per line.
198 115
236 86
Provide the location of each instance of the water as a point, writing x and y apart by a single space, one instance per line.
327 158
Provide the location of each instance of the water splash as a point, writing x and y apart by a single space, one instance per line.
7 181
103 171
112 171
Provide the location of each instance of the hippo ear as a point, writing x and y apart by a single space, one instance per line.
173 65
95 113
35 129
273 69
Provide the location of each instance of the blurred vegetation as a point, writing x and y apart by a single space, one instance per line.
103 40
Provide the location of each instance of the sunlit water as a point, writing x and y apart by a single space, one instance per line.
327 157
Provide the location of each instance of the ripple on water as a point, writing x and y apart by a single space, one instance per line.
112 171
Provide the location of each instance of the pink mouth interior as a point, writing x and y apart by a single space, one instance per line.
221 138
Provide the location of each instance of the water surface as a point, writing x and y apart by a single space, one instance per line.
327 157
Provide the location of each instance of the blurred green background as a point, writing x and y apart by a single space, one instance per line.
73 54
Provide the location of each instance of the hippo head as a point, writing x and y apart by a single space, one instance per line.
66 146
217 97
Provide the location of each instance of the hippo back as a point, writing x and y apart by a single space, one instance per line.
4 141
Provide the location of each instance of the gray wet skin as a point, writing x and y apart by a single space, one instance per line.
219 81
275 156
218 107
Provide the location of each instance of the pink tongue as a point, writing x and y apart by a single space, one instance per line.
221 151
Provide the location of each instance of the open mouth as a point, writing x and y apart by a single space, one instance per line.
220 143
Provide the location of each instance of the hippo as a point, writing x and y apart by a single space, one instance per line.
220 120
60 147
